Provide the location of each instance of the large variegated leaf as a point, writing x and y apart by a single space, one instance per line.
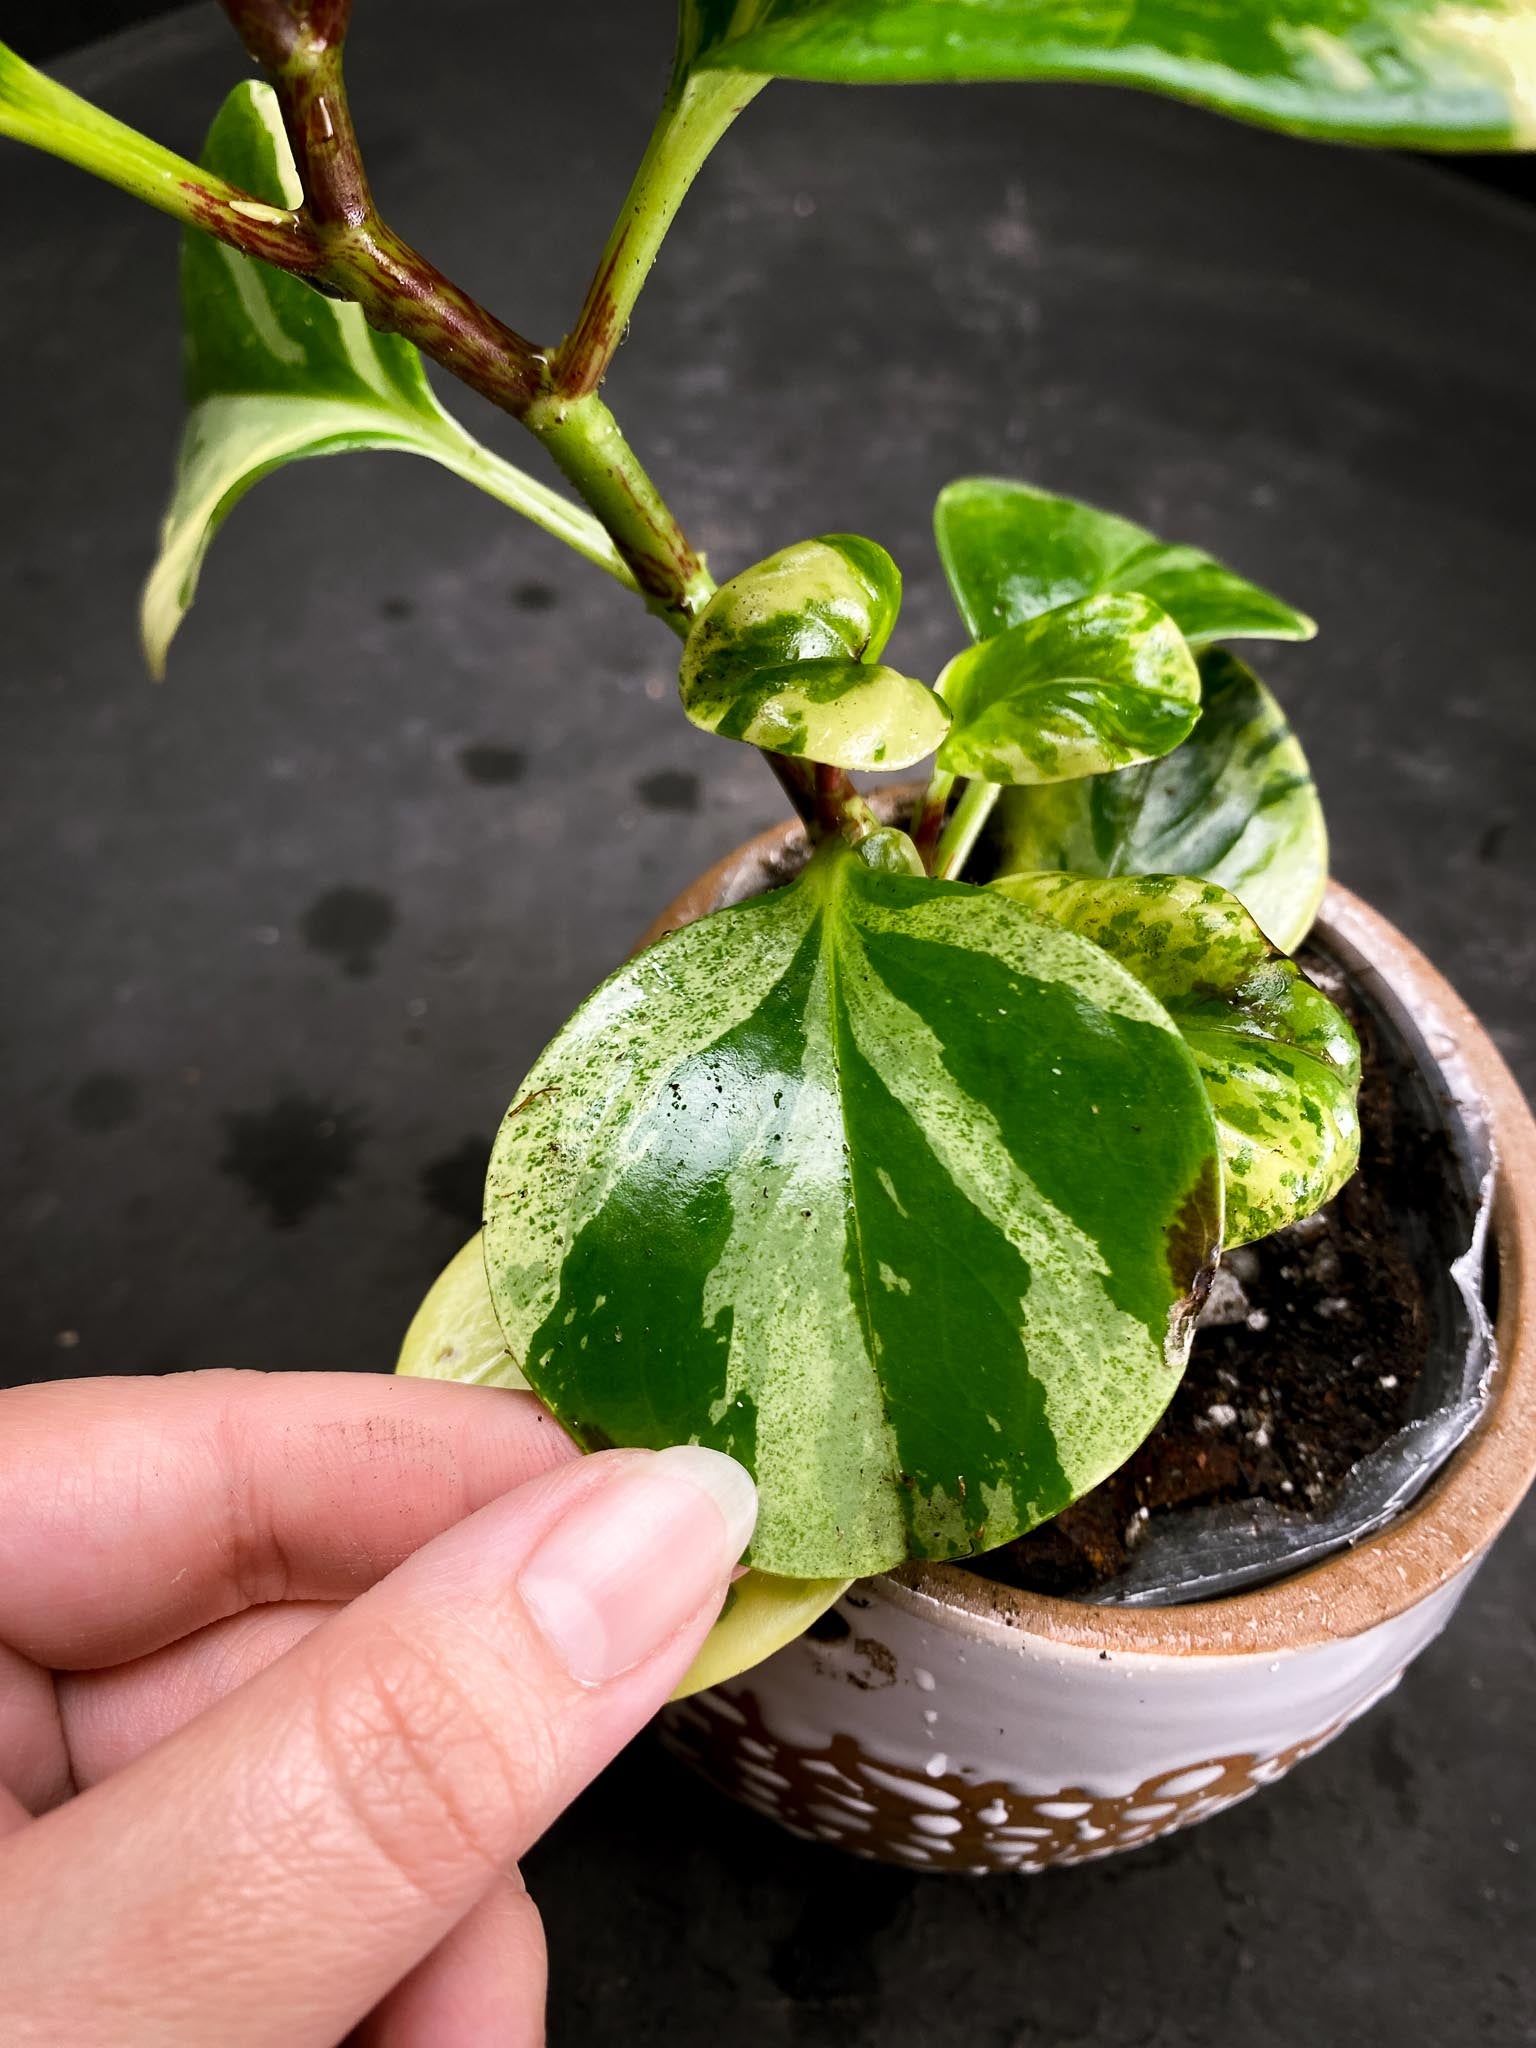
786 656
454 1335
275 372
1087 687
888 1187
1457 74
1235 804
1281 1064
1011 552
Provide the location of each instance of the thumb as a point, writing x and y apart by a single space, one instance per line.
267 1874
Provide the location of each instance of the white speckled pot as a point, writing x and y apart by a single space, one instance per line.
943 1722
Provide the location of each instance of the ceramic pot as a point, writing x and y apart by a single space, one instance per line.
936 1720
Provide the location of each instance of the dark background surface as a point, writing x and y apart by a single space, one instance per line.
282 935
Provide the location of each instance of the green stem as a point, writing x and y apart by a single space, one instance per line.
585 440
36 110
695 116
337 240
557 515
588 444
964 828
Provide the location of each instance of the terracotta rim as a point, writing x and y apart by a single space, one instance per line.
1458 1515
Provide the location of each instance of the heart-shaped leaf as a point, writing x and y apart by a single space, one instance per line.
1415 72
276 372
1235 804
888 1187
1011 552
1280 1062
785 656
454 1335
1089 686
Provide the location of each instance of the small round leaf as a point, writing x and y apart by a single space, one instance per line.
786 656
1089 686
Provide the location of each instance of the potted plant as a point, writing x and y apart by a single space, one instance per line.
902 1166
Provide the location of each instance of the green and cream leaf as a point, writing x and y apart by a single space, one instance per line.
276 372
890 1188
1457 74
454 1335
1089 686
1011 552
1280 1062
786 656
1235 804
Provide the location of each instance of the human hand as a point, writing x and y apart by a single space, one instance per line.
293 1668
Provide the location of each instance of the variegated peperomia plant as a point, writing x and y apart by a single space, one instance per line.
899 1186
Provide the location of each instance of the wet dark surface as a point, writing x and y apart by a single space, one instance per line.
282 935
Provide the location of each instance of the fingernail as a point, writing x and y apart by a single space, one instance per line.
637 1557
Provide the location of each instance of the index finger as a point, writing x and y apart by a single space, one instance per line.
135 1510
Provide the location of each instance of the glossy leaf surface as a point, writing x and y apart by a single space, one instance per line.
1448 73
786 656
276 372
1011 552
1090 686
887 1187
1280 1062
454 1335
1235 804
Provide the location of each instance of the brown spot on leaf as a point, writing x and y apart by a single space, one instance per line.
1194 1242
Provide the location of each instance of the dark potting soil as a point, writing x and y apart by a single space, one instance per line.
1308 1352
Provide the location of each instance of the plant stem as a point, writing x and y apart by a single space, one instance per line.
36 110
840 808
586 442
964 828
536 501
930 816
300 49
337 241
696 113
